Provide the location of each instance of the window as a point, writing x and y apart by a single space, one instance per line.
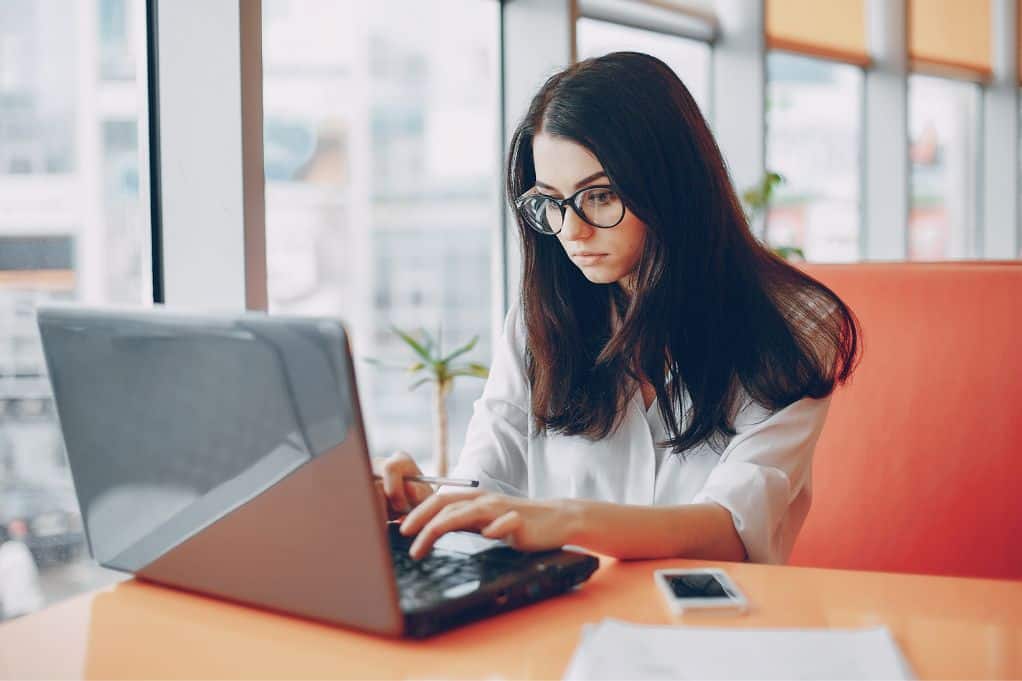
116 61
382 160
72 228
689 58
37 88
814 137
944 157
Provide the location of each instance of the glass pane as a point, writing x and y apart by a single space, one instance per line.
943 151
690 59
73 227
382 162
814 138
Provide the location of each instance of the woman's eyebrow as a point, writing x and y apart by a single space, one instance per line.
581 183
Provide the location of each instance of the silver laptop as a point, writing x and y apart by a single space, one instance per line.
227 455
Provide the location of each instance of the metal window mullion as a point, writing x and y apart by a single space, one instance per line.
537 39
863 234
739 78
499 296
207 149
151 127
886 189
997 230
975 245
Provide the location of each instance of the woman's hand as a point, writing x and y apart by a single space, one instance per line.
525 524
397 495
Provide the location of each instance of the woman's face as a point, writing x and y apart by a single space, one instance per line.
605 256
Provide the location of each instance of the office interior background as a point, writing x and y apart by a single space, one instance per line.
894 123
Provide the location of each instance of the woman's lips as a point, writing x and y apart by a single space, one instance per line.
585 259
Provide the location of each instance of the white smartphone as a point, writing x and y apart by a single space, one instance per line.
700 589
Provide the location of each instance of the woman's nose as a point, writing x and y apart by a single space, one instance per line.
574 227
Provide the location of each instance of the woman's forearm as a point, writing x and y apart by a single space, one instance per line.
623 531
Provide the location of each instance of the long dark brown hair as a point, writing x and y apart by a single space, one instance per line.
713 311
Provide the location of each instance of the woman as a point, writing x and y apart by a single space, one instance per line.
661 385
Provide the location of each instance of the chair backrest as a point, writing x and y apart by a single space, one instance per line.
919 465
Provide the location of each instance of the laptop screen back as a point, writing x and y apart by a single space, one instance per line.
172 421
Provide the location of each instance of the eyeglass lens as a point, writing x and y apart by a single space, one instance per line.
599 206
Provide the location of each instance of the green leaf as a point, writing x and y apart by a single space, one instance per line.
476 370
419 382
787 251
382 364
418 366
462 350
414 344
770 182
429 342
757 197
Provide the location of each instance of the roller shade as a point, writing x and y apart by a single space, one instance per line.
693 19
950 36
833 29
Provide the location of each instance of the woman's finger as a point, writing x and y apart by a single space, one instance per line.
381 497
425 511
417 492
504 525
462 516
393 471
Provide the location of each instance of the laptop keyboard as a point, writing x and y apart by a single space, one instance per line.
436 571
439 575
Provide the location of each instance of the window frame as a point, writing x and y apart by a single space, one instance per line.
738 56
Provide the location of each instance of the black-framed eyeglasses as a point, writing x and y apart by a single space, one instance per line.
599 205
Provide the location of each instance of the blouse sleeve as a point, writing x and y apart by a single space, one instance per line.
764 476
497 438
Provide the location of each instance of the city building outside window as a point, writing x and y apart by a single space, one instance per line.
814 141
72 228
382 160
944 157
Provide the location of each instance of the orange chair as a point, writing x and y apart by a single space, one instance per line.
919 465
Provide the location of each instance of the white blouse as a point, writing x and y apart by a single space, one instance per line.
763 476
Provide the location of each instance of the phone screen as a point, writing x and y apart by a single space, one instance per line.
696 586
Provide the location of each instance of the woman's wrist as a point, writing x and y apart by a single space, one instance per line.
575 519
629 532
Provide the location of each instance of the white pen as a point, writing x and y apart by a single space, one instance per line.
453 482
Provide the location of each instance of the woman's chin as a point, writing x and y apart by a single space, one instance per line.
600 275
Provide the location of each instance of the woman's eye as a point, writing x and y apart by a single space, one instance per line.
601 198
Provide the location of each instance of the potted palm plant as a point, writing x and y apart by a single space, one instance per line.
429 365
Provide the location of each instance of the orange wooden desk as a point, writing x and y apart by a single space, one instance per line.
947 627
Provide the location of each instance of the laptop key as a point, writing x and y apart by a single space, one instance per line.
438 575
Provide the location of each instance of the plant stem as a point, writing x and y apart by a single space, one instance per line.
440 427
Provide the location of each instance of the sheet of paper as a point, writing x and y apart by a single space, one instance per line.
614 649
